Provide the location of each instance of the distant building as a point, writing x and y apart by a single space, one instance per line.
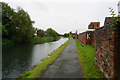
119 8
73 34
94 25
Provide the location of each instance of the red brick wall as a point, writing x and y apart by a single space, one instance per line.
83 37
107 52
92 39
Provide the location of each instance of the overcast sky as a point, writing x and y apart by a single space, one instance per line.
65 15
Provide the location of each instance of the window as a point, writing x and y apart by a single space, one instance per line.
97 26
93 26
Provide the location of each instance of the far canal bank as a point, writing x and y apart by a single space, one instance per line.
18 59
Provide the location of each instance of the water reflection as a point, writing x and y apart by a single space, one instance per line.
16 60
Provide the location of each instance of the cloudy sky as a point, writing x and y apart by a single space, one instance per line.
65 15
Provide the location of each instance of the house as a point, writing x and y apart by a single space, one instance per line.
94 25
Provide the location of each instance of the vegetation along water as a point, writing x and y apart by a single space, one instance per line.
21 42
17 28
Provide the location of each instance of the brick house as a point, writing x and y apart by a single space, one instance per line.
94 25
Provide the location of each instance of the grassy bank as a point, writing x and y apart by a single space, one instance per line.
39 40
86 56
39 69
35 40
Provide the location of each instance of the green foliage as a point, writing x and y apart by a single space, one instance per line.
66 35
56 38
7 14
112 25
40 33
115 17
26 74
17 28
86 55
51 32
4 30
6 42
49 38
16 25
39 40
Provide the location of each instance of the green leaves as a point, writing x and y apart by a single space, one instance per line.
51 32
116 18
66 35
16 25
113 25
26 74
40 33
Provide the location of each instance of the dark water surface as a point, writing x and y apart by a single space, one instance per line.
18 59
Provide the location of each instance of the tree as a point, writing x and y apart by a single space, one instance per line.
17 25
40 33
23 25
51 32
7 15
66 35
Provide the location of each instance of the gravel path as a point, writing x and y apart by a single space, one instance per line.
67 65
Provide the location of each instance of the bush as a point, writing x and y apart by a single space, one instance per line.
56 38
39 40
43 40
35 40
50 39
6 42
66 35
26 74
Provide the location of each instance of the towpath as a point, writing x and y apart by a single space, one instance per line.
67 65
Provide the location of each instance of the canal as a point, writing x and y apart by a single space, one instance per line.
18 59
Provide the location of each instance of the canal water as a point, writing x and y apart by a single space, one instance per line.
18 59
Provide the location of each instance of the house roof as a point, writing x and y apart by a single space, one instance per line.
95 23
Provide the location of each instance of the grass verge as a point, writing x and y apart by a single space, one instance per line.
39 69
86 56
40 40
